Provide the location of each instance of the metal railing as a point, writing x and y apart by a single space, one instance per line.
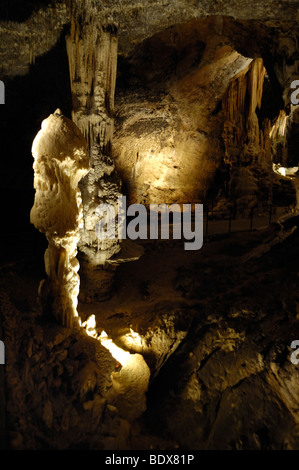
225 221
235 219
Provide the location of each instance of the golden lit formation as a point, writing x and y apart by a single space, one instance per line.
60 161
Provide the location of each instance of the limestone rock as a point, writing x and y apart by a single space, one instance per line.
60 161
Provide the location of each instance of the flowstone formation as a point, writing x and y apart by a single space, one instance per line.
60 161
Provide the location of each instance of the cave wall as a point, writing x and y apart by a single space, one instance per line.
195 105
168 122
175 63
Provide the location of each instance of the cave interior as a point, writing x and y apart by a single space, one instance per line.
177 103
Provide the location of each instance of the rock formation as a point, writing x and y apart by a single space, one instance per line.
60 161
201 95
92 55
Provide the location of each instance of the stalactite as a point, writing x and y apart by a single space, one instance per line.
92 55
279 127
241 133
247 141
278 135
256 77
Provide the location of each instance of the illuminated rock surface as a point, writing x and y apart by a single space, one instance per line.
60 161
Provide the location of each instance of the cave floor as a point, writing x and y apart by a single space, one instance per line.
168 275
204 314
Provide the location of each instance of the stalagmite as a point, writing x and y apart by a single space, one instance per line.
60 161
